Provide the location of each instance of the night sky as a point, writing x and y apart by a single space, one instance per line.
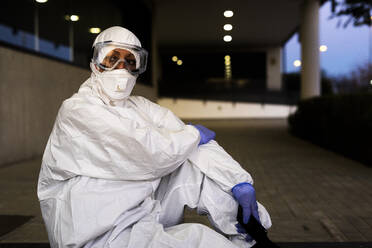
347 47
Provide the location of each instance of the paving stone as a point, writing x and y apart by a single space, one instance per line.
32 232
358 222
368 220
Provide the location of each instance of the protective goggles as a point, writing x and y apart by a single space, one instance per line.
109 56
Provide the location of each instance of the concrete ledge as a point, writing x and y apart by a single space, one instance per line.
198 109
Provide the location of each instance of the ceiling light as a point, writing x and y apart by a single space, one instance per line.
95 30
41 1
227 38
227 27
297 63
323 48
228 13
174 58
227 57
179 62
74 18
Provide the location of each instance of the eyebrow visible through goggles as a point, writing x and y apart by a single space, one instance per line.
113 60
128 57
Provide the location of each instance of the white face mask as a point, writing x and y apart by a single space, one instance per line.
116 84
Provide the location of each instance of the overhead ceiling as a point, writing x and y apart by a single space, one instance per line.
180 23
53 28
260 23
19 14
256 23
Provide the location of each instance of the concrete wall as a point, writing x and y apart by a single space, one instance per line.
145 91
197 109
32 89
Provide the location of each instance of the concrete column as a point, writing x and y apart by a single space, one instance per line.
309 35
274 68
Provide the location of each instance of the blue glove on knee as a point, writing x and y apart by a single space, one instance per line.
248 218
205 134
245 194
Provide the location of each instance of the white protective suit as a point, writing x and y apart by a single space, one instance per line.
119 175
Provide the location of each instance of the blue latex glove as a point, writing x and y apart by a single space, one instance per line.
205 134
245 195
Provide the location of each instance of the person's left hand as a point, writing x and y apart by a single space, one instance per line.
245 194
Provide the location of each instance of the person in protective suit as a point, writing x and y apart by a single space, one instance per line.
118 170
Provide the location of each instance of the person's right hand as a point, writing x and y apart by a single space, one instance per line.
206 134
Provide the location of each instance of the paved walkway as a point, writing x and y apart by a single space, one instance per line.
313 195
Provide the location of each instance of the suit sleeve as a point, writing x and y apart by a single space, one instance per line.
95 141
210 158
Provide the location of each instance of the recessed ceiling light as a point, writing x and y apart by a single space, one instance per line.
227 27
228 13
41 1
227 38
74 18
95 30
179 62
174 58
